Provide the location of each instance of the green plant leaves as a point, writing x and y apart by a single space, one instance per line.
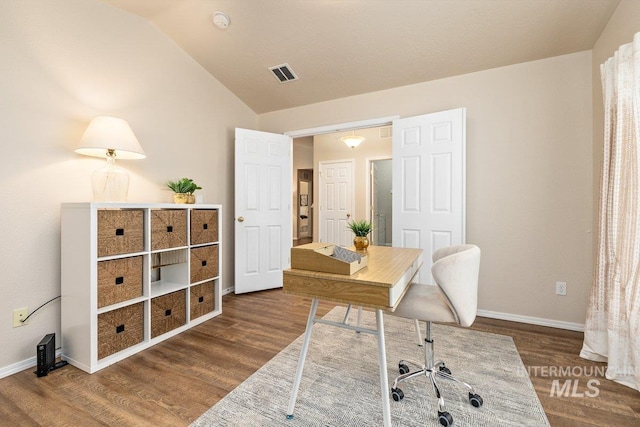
360 227
184 185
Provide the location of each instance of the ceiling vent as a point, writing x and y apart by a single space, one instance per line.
283 73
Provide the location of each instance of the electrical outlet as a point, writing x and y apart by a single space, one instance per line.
18 315
561 288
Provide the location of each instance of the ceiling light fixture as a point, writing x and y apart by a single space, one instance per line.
352 140
221 20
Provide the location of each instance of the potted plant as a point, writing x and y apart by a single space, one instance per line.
183 189
361 228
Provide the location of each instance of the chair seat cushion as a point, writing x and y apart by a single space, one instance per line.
426 303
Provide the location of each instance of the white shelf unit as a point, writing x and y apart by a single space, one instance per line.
160 276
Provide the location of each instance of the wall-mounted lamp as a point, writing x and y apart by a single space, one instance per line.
352 140
111 138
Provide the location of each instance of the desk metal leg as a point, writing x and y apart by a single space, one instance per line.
303 356
346 314
382 359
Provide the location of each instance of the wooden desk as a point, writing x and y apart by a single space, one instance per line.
381 285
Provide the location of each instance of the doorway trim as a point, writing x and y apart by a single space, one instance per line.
361 124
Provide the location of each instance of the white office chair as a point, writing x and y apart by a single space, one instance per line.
455 300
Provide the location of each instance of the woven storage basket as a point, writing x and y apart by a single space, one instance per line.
204 226
119 280
168 228
202 299
204 263
168 312
119 329
120 231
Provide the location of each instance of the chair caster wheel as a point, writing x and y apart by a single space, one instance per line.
403 368
445 419
475 400
397 394
445 370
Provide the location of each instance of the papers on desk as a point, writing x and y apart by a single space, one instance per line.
327 258
346 255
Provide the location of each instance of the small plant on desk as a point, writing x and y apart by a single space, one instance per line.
361 228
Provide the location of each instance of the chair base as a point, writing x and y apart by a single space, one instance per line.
431 370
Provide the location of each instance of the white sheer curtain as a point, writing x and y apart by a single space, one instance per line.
612 328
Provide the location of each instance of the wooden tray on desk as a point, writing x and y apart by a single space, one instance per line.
320 257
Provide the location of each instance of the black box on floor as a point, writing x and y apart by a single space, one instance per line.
46 354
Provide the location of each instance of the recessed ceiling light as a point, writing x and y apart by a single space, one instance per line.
221 20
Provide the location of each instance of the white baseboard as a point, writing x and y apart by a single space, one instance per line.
17 367
21 366
579 327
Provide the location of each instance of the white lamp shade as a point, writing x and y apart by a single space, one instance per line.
352 141
110 133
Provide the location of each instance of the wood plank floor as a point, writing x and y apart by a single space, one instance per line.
174 382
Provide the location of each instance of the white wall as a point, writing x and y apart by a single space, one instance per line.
529 173
64 62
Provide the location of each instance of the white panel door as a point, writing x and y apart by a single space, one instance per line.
263 229
429 183
336 202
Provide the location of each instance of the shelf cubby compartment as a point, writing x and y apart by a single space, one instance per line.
119 280
120 329
169 271
204 263
204 226
168 228
202 299
120 231
168 312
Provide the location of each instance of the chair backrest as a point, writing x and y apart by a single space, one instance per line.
455 270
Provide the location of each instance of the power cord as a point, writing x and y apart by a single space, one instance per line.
52 299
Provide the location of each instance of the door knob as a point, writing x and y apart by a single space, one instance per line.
348 215
240 219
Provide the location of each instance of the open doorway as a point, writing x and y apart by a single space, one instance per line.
302 184
381 175
328 148
304 204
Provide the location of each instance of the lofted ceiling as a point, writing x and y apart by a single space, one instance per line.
340 48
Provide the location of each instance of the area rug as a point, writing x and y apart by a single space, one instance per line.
340 383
